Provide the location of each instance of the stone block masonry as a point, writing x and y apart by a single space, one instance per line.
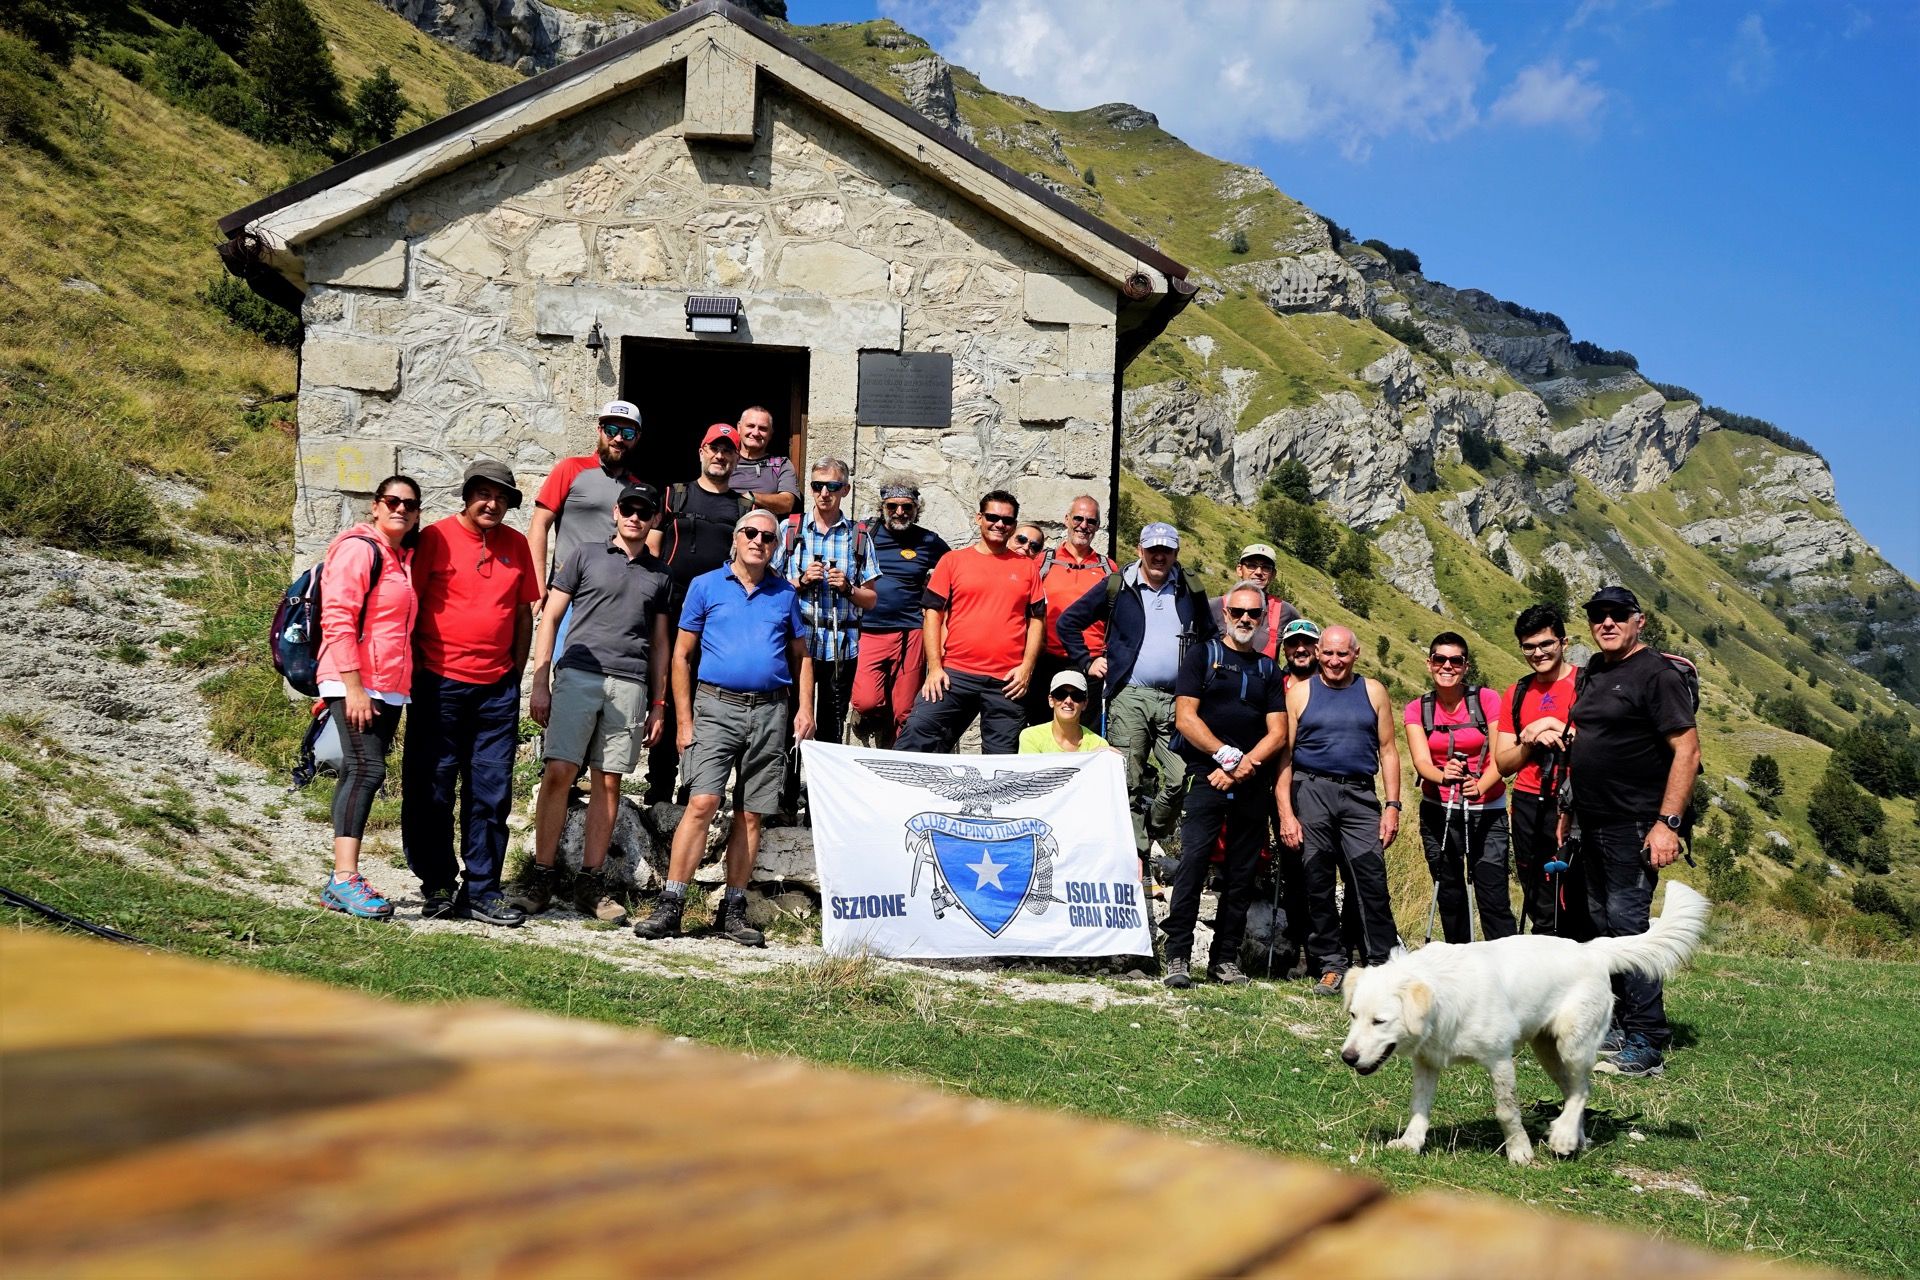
447 324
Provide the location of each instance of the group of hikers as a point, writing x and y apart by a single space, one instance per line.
702 628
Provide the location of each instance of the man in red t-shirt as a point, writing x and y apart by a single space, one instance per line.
476 581
1531 748
575 505
1066 573
984 618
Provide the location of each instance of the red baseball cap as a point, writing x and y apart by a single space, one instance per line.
721 431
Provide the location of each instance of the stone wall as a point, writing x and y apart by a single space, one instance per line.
448 324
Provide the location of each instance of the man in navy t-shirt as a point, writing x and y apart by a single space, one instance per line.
892 664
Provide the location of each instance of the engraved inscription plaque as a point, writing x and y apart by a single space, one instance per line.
914 389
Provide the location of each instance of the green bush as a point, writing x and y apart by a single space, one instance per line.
188 64
1239 243
378 105
293 76
123 61
247 309
60 492
1841 814
27 87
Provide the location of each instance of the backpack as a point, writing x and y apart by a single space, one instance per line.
1475 712
294 637
1266 668
1689 676
677 508
790 538
1106 568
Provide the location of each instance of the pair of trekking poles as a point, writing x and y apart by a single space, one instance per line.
1457 804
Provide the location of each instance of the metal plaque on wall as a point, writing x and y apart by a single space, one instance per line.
914 389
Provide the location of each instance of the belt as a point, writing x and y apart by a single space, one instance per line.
739 698
1344 779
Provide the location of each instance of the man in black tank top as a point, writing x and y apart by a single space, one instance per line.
1343 737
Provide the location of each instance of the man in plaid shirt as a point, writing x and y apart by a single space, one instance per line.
818 554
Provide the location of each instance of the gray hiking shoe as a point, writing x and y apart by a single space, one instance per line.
591 897
733 924
1329 984
1227 973
534 891
1179 975
1638 1059
664 922
1613 1042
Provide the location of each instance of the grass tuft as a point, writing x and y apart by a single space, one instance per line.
70 496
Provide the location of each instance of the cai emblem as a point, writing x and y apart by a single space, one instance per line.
988 867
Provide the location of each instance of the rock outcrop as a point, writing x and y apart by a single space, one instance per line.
1635 450
529 35
1409 553
928 86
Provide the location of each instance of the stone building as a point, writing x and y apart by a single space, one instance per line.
479 286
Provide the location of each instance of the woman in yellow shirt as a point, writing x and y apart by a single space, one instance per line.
1064 732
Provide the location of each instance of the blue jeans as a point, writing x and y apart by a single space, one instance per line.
459 736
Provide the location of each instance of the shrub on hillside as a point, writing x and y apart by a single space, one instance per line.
1239 243
378 105
1403 261
227 21
188 65
1880 755
1549 586
1841 814
1590 353
71 497
123 61
1356 593
58 27
1539 319
1291 479
251 312
27 87
293 76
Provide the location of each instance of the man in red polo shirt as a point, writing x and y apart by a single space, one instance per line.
1068 572
476 582
984 618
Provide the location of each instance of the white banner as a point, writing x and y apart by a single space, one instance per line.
940 856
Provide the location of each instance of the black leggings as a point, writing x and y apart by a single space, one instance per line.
363 764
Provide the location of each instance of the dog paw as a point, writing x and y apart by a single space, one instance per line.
1520 1153
1563 1145
1404 1143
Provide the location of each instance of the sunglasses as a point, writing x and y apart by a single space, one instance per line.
620 431
1448 659
1023 540
1613 613
828 486
1091 522
759 535
1540 646
898 508
638 510
399 504
1233 612
1007 521
1067 693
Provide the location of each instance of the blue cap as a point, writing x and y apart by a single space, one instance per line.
1160 534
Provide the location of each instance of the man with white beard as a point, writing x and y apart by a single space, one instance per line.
1231 710
891 666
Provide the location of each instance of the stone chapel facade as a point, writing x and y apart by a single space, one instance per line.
480 286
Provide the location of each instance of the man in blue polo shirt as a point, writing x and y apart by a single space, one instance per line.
745 623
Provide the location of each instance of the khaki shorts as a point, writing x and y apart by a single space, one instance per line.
597 721
729 735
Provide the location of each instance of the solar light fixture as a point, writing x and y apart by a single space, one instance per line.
596 339
713 315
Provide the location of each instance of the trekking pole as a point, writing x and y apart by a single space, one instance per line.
1273 920
833 667
1474 919
1433 907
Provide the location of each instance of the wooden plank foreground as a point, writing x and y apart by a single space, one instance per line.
170 1117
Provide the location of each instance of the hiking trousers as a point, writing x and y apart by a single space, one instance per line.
1620 885
1341 821
1462 846
460 745
1534 846
937 726
1242 815
1139 727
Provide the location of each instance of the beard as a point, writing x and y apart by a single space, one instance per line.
1243 632
899 524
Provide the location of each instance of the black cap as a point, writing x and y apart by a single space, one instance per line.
1613 595
639 493
494 473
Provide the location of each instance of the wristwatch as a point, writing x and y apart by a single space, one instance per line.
1671 821
1395 805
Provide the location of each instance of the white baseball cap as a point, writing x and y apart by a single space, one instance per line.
1068 679
620 411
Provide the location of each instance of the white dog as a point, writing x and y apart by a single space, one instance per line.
1481 1001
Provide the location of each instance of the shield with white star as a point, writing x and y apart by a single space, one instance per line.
988 865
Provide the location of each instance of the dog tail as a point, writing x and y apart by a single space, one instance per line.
1664 947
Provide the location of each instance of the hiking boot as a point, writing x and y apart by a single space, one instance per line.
1329 984
534 892
440 904
665 920
1639 1058
591 897
355 897
733 923
1613 1042
493 908
1227 973
1178 976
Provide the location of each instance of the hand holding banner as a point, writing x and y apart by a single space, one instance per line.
932 856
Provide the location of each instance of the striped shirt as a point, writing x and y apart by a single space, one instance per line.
833 621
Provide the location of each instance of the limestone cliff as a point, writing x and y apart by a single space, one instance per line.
532 36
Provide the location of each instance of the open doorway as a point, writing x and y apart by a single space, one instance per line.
683 387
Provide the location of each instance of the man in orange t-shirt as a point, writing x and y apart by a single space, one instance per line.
984 618
1068 572
477 583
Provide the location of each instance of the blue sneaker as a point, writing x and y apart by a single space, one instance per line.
355 897
1638 1059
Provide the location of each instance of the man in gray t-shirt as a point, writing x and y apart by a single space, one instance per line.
769 478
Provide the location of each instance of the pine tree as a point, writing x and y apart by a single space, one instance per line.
293 76
378 105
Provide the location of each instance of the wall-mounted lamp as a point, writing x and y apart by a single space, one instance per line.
596 340
713 315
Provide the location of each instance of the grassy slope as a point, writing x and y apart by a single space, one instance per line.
1797 1145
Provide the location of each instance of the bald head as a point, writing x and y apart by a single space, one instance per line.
1338 649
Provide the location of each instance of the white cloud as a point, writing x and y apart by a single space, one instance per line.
1547 93
1751 65
1222 73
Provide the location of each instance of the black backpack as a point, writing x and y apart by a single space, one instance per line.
676 509
294 637
1266 668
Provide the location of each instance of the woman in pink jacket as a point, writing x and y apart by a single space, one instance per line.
365 671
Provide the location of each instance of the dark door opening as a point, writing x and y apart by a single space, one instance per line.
682 388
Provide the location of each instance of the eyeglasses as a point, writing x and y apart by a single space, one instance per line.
1612 613
1007 521
1090 522
1067 693
1021 539
1448 659
1233 612
398 504
1540 646
620 431
637 510
828 486
759 535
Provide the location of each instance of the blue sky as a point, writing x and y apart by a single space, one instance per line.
1726 190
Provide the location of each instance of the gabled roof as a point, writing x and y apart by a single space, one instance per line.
272 230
